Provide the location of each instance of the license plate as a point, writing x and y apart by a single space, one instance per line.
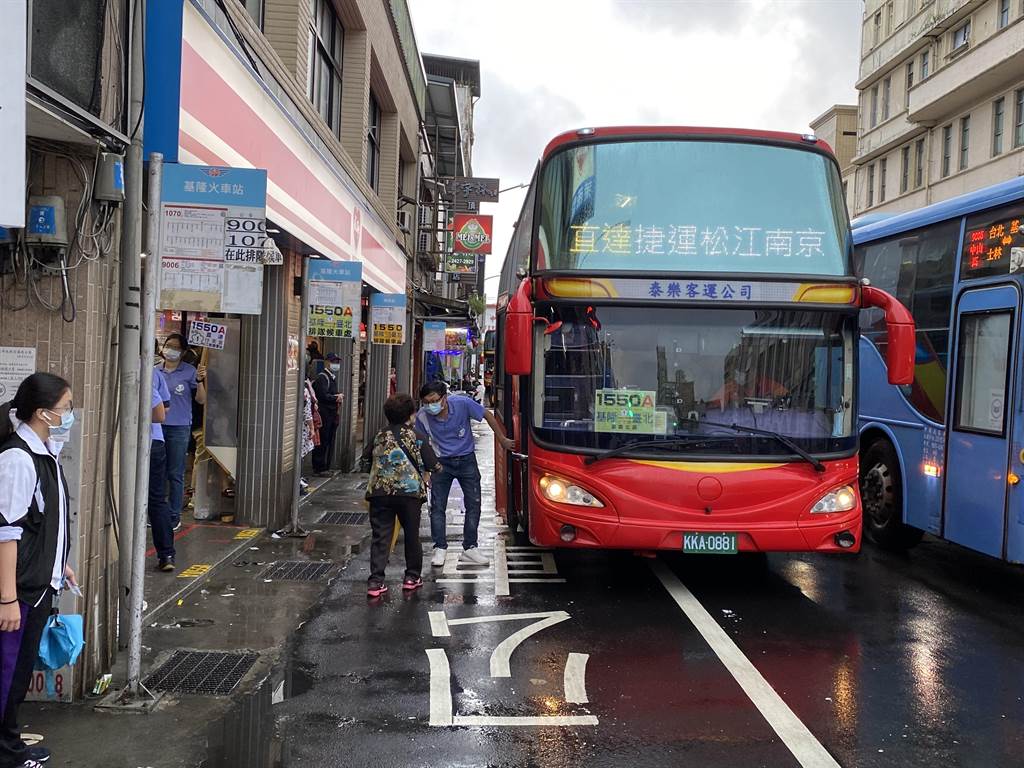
702 543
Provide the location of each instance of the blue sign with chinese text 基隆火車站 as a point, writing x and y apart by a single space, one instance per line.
211 185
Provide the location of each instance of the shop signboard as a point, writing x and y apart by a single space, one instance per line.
203 333
471 233
13 38
335 290
434 335
387 318
16 365
460 263
475 189
213 238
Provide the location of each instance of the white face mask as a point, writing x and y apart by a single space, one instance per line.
335 367
172 355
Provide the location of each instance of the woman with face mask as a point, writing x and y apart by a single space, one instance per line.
34 542
184 382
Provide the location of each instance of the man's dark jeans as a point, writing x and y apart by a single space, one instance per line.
159 509
465 470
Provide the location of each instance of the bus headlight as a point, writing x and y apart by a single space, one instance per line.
562 491
840 500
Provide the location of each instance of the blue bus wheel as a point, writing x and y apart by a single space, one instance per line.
881 489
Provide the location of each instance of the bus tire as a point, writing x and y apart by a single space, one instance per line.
881 490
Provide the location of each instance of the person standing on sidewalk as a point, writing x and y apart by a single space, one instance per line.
184 382
401 461
328 400
34 542
445 418
159 509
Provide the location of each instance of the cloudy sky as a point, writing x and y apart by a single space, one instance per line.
552 65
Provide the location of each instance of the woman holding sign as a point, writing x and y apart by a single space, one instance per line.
184 382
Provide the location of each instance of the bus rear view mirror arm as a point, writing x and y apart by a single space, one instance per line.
899 324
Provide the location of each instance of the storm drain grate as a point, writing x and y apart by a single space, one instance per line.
345 518
204 672
297 570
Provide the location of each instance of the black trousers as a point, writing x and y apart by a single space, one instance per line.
323 454
383 511
18 653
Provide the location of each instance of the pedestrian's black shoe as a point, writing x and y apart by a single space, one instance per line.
166 564
31 764
39 754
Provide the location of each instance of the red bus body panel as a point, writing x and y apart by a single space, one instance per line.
650 504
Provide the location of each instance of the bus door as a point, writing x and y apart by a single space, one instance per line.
978 457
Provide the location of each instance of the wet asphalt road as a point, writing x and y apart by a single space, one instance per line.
884 660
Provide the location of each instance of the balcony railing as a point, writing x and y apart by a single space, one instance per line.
884 137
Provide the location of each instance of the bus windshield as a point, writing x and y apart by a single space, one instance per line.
692 206
611 374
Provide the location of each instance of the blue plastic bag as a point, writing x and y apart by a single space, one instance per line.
62 642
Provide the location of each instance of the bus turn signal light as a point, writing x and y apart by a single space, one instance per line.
563 492
1013 478
931 470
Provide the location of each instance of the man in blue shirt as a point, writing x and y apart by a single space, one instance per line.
445 418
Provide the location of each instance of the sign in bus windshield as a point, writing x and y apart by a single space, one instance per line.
994 245
692 206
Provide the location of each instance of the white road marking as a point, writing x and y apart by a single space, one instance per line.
576 678
544 721
508 617
440 687
439 624
808 751
502 654
537 581
501 588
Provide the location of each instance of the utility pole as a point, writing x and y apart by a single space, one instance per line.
128 337
141 502
294 529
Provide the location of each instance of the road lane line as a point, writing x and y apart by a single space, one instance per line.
439 624
576 678
562 616
808 751
502 654
532 722
440 687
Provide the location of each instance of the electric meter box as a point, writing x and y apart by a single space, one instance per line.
110 178
47 223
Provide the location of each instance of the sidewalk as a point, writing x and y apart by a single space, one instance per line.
224 603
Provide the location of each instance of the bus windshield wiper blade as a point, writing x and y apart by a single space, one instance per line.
692 441
791 444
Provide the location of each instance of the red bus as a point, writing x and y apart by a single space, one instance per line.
676 348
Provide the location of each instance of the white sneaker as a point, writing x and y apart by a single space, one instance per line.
439 557
473 555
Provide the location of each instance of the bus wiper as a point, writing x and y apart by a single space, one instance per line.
793 446
688 441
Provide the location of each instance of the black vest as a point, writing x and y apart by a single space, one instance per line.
37 549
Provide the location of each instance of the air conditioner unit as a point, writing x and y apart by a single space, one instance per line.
405 221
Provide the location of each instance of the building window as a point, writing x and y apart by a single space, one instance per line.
255 9
889 17
373 145
998 108
947 149
1004 13
886 93
918 163
874 106
326 45
965 140
925 60
1018 118
871 185
883 166
846 189
961 36
878 29
910 83
904 169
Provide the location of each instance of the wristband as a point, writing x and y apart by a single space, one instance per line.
9 602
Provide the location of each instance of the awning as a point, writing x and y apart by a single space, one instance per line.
440 308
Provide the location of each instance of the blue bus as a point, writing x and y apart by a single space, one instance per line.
944 455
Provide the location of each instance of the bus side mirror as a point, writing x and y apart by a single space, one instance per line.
519 331
899 324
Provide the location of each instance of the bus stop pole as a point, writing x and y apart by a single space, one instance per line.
147 332
294 529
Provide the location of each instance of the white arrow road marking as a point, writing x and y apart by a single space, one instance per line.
808 751
502 654
576 678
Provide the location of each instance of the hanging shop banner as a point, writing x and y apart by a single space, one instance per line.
433 335
16 365
472 233
460 263
335 290
213 238
202 333
455 339
387 318
475 190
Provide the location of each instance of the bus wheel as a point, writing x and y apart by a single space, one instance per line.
881 490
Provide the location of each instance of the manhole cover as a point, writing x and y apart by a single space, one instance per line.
208 672
297 570
345 518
